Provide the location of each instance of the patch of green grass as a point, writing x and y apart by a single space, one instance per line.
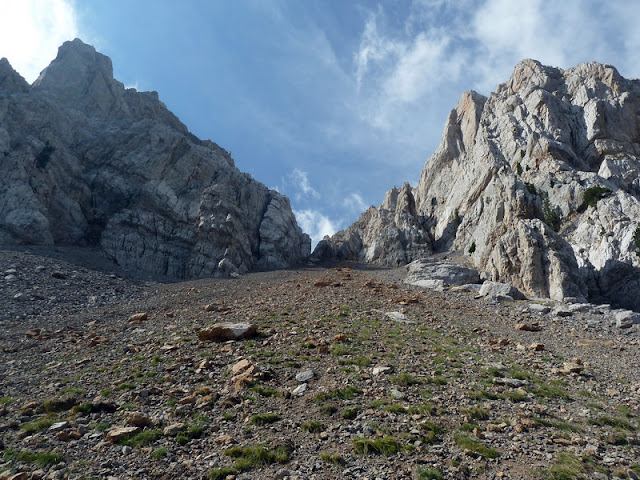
266 392
264 418
254 456
142 438
41 459
106 392
313 426
430 432
125 386
379 446
38 425
396 408
360 361
466 442
548 390
350 413
475 413
159 453
5 400
332 458
615 422
222 473
429 474
339 349
437 380
192 430
405 379
345 393
328 408
559 424
567 466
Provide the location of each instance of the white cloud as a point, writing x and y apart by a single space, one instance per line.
31 32
300 182
315 224
355 203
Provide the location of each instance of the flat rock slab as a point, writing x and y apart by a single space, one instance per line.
118 433
221 332
497 289
438 275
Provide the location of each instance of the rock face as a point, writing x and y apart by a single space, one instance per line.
87 162
538 185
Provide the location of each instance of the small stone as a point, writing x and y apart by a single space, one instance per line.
126 450
118 433
381 369
562 312
537 308
138 317
300 389
58 275
173 429
137 419
56 427
626 319
305 376
397 394
536 347
526 327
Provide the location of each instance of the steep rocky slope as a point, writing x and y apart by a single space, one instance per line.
537 185
351 375
87 162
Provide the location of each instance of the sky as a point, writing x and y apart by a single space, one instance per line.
330 102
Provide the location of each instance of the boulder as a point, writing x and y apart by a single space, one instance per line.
426 274
221 332
497 289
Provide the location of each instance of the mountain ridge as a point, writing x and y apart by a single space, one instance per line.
90 162
510 170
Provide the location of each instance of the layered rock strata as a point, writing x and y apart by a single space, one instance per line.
86 161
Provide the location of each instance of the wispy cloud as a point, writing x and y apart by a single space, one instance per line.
300 180
31 32
354 203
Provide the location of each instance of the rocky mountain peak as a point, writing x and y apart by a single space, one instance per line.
91 163
10 80
535 185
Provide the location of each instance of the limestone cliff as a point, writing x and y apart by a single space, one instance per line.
85 161
537 184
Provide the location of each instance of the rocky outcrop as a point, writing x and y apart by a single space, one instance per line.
536 184
87 162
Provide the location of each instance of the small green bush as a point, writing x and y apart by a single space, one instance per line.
380 446
264 418
592 195
472 248
313 426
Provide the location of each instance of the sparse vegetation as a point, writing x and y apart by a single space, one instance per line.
252 456
40 459
592 196
472 248
379 446
465 441
264 418
313 426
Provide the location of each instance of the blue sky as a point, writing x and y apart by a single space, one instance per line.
332 102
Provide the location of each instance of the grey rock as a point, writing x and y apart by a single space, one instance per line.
424 273
397 394
626 319
537 308
115 169
497 289
305 375
300 389
547 189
